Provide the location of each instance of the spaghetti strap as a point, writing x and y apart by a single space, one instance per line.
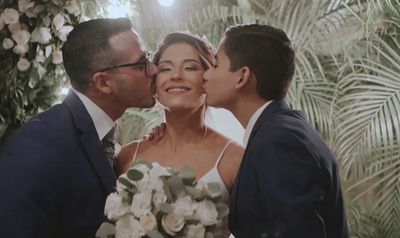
222 154
136 152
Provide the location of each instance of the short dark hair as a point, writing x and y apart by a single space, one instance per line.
87 49
202 46
267 51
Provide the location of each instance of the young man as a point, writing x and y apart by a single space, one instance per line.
288 184
55 172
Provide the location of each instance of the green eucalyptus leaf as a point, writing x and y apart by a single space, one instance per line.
188 175
134 174
126 183
176 185
166 208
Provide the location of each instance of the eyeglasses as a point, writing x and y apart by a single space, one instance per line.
142 63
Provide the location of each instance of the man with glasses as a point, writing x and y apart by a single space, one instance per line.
54 171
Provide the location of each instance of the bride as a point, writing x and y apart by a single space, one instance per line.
182 59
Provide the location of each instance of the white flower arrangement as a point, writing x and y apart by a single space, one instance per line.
32 33
155 201
31 26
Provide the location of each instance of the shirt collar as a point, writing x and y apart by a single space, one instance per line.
102 122
252 122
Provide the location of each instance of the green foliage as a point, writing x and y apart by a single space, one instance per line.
24 93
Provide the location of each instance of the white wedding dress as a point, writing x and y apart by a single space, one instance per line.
211 176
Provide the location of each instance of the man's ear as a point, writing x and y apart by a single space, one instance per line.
101 81
243 75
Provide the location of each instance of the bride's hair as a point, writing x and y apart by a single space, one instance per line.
202 46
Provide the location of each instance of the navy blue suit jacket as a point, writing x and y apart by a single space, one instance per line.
54 177
288 185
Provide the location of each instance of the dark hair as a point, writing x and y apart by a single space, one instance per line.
201 45
267 51
87 49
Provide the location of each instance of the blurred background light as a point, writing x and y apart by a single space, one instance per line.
117 10
166 3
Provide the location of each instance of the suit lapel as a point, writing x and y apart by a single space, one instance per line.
275 106
90 142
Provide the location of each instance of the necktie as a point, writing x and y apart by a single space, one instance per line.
108 144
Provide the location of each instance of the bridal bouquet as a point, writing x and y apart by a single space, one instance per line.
155 201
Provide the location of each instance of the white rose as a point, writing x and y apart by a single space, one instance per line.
73 8
115 208
185 206
10 16
2 24
64 31
8 43
156 184
21 37
23 5
128 227
21 49
41 35
57 57
23 64
158 171
58 21
14 27
159 197
172 223
195 231
141 204
207 212
148 222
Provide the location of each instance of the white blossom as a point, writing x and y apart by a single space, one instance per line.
48 51
41 35
125 227
172 223
8 43
195 231
40 56
23 64
159 197
21 49
58 21
73 8
10 16
64 31
207 212
14 27
148 222
57 57
185 206
115 208
21 37
141 204
23 5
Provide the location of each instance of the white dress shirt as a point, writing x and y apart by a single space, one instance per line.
102 122
252 122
